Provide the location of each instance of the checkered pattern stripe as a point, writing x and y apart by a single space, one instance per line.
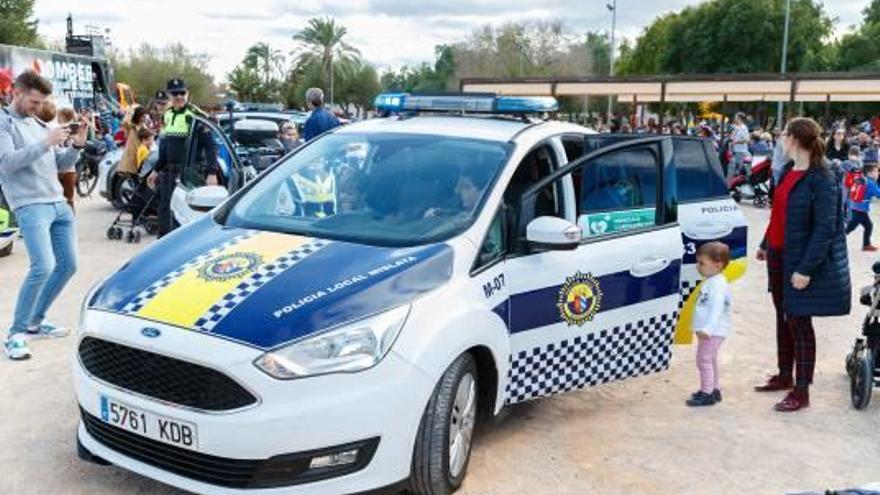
608 355
248 286
687 288
150 292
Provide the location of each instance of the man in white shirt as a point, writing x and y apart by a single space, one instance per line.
740 145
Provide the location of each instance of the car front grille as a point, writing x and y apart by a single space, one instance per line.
277 471
162 377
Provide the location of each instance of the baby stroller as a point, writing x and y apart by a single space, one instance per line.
140 205
863 363
755 185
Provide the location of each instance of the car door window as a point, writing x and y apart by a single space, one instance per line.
618 191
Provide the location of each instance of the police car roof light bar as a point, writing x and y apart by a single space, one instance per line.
465 103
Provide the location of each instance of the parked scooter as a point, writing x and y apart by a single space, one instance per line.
87 167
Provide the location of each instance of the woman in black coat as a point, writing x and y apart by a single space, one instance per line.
807 264
837 149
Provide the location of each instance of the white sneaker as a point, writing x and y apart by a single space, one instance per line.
47 331
17 348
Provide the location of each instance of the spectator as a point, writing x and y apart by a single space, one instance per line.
807 266
871 154
146 138
47 112
758 146
289 137
321 120
135 120
30 159
837 148
157 108
862 190
739 144
863 141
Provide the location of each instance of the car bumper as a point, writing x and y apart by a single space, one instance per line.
290 417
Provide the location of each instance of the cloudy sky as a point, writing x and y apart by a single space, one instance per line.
389 33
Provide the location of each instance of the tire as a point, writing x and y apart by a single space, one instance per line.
862 383
86 180
437 468
124 188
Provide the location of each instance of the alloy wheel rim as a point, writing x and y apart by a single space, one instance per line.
461 425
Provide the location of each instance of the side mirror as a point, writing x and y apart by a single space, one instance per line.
553 233
206 198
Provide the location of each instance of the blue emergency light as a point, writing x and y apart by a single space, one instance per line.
465 103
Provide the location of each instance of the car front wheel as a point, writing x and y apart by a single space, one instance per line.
443 443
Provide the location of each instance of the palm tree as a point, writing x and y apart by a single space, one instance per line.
321 43
265 59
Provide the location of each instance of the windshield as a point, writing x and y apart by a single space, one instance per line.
386 189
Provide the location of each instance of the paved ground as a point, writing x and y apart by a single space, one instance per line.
630 438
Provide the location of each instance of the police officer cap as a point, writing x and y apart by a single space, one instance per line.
176 84
161 95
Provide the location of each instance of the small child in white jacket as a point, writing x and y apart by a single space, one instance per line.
711 320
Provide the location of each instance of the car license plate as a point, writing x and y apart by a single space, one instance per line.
163 429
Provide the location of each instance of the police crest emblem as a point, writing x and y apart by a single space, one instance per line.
580 298
229 266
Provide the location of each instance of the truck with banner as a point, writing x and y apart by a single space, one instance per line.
77 80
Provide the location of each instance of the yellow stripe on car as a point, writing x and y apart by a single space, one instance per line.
188 297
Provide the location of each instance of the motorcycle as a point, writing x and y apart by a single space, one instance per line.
7 229
87 167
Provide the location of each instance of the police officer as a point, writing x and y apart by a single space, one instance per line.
177 123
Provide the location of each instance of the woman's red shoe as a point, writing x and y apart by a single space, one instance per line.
775 383
794 401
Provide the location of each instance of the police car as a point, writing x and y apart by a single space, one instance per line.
342 322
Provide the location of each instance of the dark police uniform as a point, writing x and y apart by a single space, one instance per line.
172 155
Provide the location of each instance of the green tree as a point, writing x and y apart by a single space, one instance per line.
246 83
322 45
731 36
424 78
17 26
148 68
265 59
871 13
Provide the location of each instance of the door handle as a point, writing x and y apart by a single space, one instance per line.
649 266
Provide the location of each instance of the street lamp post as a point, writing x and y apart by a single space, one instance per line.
784 56
613 8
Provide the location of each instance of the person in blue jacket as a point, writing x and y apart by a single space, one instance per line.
321 120
862 192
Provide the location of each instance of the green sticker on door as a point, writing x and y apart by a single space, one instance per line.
609 222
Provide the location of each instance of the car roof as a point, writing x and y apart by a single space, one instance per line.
274 116
477 127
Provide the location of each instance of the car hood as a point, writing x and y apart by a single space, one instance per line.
266 289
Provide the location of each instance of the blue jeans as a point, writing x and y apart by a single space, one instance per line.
50 238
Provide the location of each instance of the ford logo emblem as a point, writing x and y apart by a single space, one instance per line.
150 332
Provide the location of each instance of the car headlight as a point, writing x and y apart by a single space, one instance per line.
353 347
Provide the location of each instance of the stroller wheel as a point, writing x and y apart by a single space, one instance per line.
760 201
111 233
130 237
118 233
137 236
152 227
862 382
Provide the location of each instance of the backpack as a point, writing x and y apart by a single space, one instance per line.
856 185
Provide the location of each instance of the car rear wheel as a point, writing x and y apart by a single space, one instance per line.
443 443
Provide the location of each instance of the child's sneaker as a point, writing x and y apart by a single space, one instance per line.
47 331
716 394
17 348
701 399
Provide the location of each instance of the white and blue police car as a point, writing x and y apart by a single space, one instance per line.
342 322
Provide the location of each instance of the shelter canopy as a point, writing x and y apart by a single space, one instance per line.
794 87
